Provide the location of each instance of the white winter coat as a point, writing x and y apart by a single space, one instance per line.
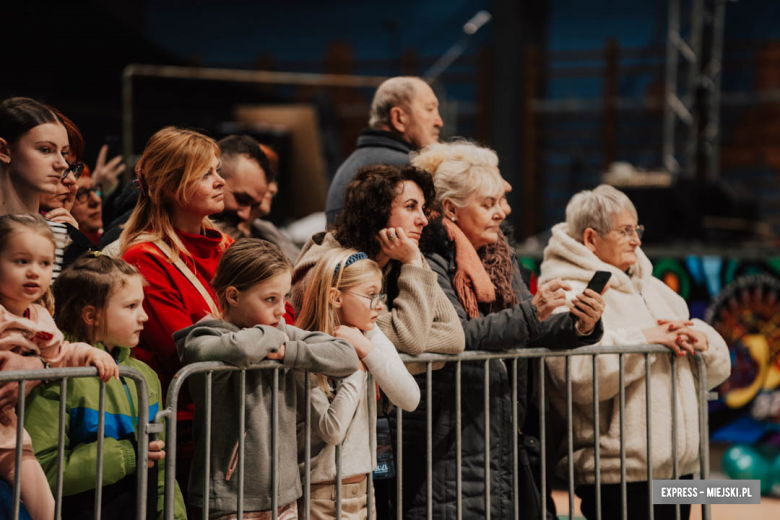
633 303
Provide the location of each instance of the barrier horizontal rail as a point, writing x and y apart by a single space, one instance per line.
209 368
63 375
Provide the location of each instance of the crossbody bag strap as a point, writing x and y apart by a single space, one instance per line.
187 272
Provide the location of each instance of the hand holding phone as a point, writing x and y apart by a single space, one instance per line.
587 308
599 281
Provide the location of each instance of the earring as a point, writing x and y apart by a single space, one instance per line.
452 219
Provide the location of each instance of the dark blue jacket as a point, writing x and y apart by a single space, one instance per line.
373 147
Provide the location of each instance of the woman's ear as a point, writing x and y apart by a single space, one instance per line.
334 297
398 119
90 315
5 152
448 209
589 237
231 295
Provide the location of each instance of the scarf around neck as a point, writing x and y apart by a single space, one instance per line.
471 282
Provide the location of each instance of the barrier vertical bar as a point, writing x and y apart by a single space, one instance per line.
307 448
241 430
622 409
458 445
207 433
487 438
142 396
372 397
675 464
275 445
596 435
648 421
569 438
515 427
429 439
399 464
100 434
61 450
543 438
170 456
19 444
338 469
704 428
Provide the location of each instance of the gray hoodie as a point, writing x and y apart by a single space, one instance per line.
216 340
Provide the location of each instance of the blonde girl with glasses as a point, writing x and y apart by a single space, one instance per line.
343 298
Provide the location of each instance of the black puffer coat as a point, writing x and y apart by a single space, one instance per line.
516 327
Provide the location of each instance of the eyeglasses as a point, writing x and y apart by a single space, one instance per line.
77 168
84 193
629 231
376 300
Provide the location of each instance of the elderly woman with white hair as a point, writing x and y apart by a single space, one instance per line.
477 271
601 233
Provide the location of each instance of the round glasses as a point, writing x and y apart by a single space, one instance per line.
76 168
629 231
376 300
84 193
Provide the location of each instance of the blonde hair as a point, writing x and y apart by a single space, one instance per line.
11 224
461 169
248 262
170 168
596 209
331 272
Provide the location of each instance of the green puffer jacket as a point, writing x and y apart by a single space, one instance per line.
119 445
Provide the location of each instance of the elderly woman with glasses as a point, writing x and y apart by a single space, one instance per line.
601 233
88 207
478 272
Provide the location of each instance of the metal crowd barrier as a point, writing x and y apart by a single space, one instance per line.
63 375
470 356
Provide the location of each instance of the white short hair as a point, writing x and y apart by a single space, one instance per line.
394 92
461 169
596 209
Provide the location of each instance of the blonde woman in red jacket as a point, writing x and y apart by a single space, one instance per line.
176 248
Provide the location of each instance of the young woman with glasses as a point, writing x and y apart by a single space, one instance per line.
36 141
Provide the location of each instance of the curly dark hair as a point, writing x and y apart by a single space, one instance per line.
369 199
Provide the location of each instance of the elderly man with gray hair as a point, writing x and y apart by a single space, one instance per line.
404 117
602 233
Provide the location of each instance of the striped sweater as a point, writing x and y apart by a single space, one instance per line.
81 417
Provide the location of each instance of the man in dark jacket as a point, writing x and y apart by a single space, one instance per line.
404 117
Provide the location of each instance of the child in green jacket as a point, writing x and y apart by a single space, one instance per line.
99 300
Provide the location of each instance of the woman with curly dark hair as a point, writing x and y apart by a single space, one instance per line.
385 212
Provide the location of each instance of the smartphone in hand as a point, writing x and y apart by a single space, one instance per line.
599 281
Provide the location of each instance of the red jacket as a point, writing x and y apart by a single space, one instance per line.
172 302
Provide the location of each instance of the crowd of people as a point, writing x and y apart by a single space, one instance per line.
180 266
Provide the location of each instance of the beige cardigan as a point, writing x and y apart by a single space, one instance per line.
421 319
633 303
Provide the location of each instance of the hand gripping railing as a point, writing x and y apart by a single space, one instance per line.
209 368
63 375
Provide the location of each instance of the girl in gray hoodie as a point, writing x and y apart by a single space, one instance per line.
251 282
